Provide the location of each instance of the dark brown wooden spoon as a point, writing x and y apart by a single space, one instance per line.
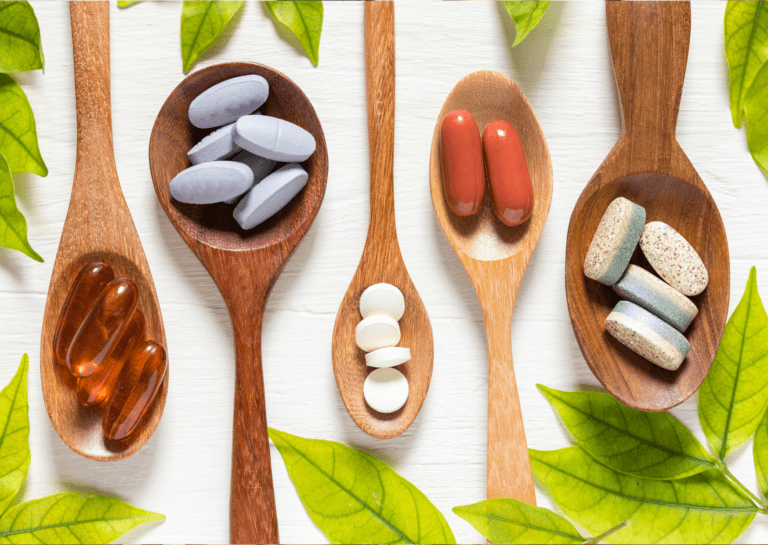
649 48
98 227
245 265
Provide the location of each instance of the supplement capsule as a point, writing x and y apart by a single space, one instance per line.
103 327
85 290
462 163
136 387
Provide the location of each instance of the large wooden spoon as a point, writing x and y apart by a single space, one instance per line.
381 260
98 227
649 48
245 265
495 257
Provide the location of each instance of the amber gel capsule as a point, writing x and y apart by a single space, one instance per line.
103 327
136 387
85 290
508 178
462 163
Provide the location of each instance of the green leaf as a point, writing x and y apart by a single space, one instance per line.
20 46
356 498
201 24
649 445
14 435
305 19
526 16
703 508
760 454
512 521
126 3
746 48
71 518
13 226
18 134
733 396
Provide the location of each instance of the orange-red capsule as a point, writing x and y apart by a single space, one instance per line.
462 163
136 387
508 178
85 290
103 328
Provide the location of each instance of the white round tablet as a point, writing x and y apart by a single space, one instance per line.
377 332
385 390
382 299
388 357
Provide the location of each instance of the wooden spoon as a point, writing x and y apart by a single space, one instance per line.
98 227
495 257
245 265
649 48
381 260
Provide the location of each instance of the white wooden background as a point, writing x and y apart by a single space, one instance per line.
564 68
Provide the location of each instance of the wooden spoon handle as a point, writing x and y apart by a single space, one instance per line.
649 49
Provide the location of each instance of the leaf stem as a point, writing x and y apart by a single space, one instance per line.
607 533
743 488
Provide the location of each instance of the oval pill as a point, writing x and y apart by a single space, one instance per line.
377 332
273 138
212 182
673 258
270 195
260 166
391 356
508 177
227 101
385 390
462 163
214 147
382 299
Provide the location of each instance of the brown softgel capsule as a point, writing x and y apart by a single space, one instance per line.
89 283
136 387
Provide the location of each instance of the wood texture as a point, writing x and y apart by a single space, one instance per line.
495 257
649 48
245 266
381 260
98 227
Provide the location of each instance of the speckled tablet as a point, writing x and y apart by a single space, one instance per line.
217 145
227 101
674 258
647 335
656 296
614 241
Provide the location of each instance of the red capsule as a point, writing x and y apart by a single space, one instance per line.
137 385
85 290
508 178
462 163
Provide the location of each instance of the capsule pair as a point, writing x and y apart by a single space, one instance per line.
464 173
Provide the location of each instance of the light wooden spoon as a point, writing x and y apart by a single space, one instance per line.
381 260
495 257
98 227
649 48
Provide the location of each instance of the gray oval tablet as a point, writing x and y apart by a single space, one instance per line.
273 138
212 182
270 195
225 102
260 166
214 147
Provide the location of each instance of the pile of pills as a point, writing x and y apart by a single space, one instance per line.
236 162
655 312
382 305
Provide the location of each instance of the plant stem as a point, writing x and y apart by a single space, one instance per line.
743 488
598 539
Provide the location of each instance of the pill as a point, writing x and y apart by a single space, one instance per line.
212 182
273 138
649 336
385 390
260 166
225 102
382 299
90 281
614 241
137 385
656 296
462 163
270 195
376 332
673 258
217 145
388 357
508 178
103 328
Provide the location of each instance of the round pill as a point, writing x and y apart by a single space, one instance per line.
273 138
385 390
674 258
212 182
217 145
388 357
383 299
377 332
227 101
270 195
260 166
